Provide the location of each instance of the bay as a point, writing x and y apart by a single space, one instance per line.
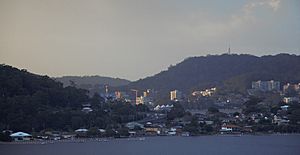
206 145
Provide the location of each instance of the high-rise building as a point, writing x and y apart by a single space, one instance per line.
266 85
118 95
145 94
140 100
106 89
175 95
293 87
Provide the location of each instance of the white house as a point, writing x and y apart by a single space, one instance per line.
21 136
81 130
87 109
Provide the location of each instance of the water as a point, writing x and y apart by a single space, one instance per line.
206 145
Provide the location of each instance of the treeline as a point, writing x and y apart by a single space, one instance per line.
30 102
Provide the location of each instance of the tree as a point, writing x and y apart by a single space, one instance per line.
294 113
176 112
93 131
212 110
252 106
142 108
123 132
5 137
207 129
193 127
97 100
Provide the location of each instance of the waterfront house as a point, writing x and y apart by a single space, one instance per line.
134 125
81 132
172 132
152 130
279 121
21 136
229 128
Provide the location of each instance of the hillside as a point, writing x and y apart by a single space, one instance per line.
233 72
30 102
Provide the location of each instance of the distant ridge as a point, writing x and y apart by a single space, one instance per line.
92 80
231 71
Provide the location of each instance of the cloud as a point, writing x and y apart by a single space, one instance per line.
203 26
248 12
250 7
274 4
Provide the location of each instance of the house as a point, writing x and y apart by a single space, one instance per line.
209 122
230 128
102 130
53 135
134 125
163 107
284 107
21 136
81 132
87 109
153 130
172 132
279 121
185 134
247 129
68 136
132 133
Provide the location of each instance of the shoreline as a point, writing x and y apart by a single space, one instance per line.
85 140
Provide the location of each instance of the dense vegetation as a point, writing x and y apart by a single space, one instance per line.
232 72
30 102
92 83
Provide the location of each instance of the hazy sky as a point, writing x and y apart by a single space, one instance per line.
133 39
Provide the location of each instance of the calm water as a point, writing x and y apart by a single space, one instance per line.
206 145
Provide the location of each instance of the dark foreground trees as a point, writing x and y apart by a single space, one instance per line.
32 103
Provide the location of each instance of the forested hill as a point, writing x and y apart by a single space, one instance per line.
30 102
232 71
19 84
27 100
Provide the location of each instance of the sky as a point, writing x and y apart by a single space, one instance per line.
133 39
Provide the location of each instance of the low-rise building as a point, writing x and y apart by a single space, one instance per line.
81 132
229 128
152 130
134 125
279 121
163 107
86 109
21 136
